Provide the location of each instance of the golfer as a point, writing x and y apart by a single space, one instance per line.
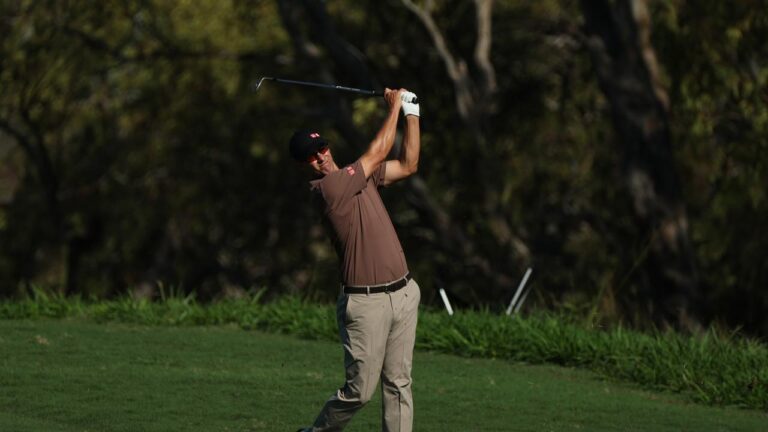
378 303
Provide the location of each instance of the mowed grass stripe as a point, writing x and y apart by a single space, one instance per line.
83 376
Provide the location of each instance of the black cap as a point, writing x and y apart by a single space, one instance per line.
304 143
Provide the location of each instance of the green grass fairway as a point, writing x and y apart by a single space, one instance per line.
82 376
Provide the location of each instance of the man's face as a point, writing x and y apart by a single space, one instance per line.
321 161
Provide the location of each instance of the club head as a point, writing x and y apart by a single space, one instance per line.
258 84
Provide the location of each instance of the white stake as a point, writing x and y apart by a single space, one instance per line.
522 300
519 290
446 302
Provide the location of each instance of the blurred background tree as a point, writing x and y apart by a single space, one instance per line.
135 153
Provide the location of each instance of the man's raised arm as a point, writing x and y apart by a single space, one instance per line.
379 148
408 162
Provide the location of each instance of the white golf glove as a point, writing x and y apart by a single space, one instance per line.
409 108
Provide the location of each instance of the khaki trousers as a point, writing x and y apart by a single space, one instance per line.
378 332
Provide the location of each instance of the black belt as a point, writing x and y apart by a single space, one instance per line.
375 289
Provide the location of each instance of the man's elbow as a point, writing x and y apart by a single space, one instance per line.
412 169
375 155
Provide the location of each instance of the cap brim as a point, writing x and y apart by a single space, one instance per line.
313 147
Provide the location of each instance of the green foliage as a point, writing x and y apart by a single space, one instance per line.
715 59
133 149
714 368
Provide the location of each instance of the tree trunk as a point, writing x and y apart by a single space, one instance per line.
39 158
618 37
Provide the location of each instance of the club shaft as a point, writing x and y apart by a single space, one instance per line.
328 86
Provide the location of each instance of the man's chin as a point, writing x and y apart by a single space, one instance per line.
326 168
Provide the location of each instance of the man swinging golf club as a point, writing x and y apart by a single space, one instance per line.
378 304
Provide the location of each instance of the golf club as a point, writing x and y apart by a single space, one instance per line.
325 86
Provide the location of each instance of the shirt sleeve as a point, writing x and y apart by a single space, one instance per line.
343 184
378 174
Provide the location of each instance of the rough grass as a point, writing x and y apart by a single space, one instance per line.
713 368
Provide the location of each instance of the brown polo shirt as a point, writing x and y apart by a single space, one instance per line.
366 242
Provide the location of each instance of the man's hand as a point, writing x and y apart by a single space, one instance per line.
394 98
410 108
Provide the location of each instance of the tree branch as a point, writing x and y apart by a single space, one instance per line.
483 46
455 67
